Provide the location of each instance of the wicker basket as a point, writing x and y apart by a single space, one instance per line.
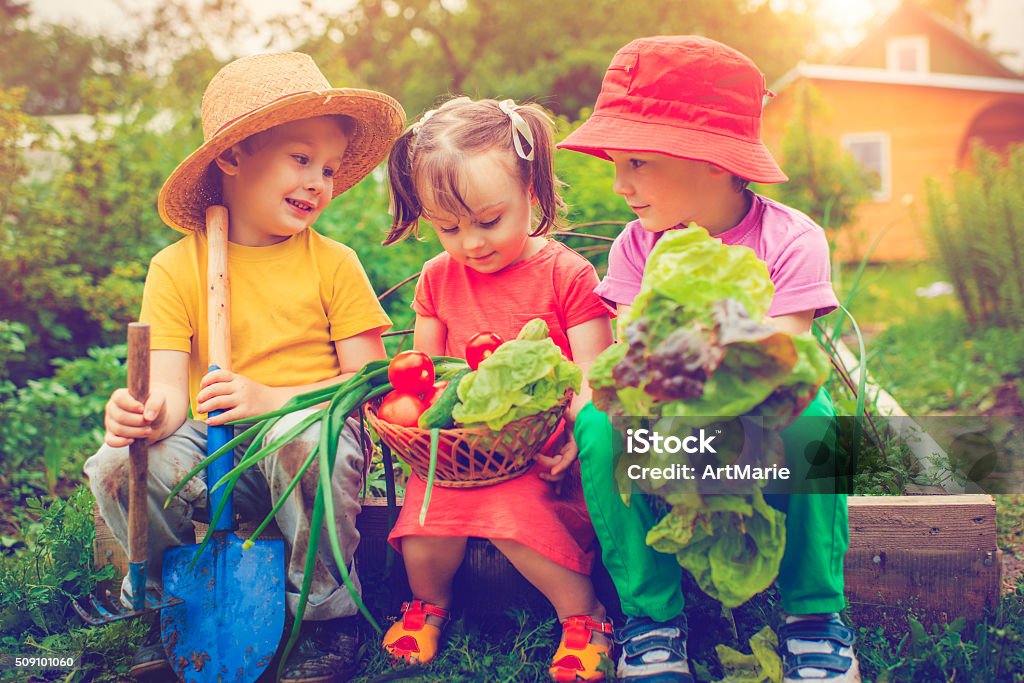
471 457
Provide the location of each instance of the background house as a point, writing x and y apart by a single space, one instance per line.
908 102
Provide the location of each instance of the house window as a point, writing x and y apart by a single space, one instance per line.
907 53
871 151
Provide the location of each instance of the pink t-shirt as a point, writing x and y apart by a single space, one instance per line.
792 246
555 284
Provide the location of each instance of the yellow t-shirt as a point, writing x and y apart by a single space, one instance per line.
289 303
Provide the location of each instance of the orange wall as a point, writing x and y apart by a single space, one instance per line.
926 128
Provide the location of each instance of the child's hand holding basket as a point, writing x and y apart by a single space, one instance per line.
490 421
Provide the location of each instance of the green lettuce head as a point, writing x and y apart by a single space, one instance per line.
696 346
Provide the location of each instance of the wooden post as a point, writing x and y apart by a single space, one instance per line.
138 453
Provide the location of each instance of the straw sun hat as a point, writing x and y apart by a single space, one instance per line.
256 93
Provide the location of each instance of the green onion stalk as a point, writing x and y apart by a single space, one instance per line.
341 400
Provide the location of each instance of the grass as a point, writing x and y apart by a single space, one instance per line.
1010 523
886 293
921 350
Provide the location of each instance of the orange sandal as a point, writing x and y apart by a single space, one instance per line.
577 659
411 638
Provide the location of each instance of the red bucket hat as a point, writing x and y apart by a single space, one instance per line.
684 96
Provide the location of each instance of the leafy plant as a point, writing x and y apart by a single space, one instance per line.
522 377
978 231
695 349
38 583
956 370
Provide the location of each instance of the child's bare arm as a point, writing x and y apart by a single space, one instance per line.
241 397
126 419
356 351
793 323
587 340
622 312
429 335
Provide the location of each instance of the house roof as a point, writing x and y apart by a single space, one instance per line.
860 74
982 71
910 14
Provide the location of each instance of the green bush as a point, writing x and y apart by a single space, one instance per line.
78 234
978 231
54 423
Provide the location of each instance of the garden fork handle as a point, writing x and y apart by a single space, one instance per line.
138 466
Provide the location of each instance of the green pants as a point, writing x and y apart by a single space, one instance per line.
649 582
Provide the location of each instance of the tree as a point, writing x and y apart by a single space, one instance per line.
53 62
824 182
535 49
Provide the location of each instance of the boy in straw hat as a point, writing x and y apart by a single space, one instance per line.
279 144
680 117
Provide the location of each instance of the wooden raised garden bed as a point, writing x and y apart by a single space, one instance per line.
935 555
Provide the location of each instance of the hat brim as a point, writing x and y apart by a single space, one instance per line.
379 119
748 160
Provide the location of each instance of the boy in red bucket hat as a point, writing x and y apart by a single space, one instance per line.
680 117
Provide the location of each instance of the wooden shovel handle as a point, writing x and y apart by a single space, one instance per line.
138 451
218 297
218 300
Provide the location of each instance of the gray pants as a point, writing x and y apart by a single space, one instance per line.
257 491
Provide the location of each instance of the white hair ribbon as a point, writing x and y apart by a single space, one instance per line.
520 129
423 119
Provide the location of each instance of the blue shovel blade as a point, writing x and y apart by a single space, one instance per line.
230 624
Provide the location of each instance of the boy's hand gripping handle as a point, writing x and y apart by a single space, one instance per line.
219 335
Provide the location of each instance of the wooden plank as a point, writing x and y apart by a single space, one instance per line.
936 584
935 554
948 523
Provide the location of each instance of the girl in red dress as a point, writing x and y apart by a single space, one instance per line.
481 173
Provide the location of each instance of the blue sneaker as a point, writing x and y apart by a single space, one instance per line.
653 651
818 649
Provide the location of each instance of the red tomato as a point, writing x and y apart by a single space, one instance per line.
412 372
402 409
480 346
435 393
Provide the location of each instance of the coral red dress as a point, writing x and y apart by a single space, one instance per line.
555 284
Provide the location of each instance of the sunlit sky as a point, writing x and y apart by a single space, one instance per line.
1003 19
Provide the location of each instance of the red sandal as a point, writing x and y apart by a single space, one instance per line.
411 638
577 659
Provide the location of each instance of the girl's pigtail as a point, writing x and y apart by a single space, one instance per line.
544 182
405 204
